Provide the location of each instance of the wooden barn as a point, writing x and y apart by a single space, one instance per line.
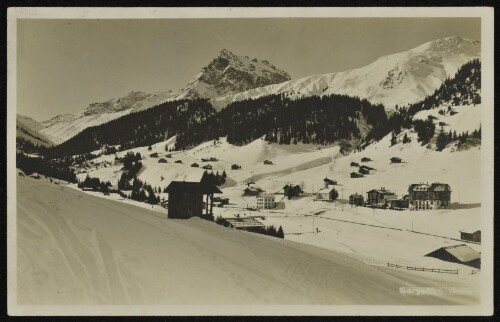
178 161
235 167
396 160
470 235
185 199
328 182
354 164
162 160
461 254
268 162
356 175
207 167
365 159
195 165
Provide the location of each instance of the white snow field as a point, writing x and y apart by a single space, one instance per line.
73 248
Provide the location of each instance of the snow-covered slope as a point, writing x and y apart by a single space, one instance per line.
28 129
397 79
64 126
76 249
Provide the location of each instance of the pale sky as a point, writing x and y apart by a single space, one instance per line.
64 65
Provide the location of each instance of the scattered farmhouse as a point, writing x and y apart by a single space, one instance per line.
356 200
213 159
365 169
168 155
429 197
365 159
252 190
268 162
195 165
178 161
207 167
396 160
461 254
235 167
327 181
354 164
327 194
470 235
379 196
265 201
356 175
185 199
153 155
162 160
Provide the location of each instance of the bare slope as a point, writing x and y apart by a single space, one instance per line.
77 249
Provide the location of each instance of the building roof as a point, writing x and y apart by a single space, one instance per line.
433 187
382 191
463 252
470 231
191 187
266 195
244 222
355 195
326 190
395 158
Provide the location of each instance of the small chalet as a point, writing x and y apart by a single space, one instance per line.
356 175
195 165
365 159
162 160
365 169
213 159
461 254
268 162
356 200
329 181
252 190
185 199
327 194
168 155
354 164
235 167
207 167
429 197
153 155
379 196
470 235
178 161
396 160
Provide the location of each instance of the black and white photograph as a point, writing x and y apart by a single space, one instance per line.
250 161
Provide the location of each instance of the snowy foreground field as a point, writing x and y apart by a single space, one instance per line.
74 248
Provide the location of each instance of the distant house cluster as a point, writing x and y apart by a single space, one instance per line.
364 170
420 197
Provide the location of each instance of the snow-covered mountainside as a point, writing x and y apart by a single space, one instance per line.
226 74
229 74
27 130
397 79
64 126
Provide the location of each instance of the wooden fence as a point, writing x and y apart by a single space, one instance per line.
423 269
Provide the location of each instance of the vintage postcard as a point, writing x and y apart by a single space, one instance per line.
250 161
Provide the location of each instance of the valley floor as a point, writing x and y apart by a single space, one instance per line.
73 248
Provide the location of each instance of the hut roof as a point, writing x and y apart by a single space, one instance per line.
191 187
